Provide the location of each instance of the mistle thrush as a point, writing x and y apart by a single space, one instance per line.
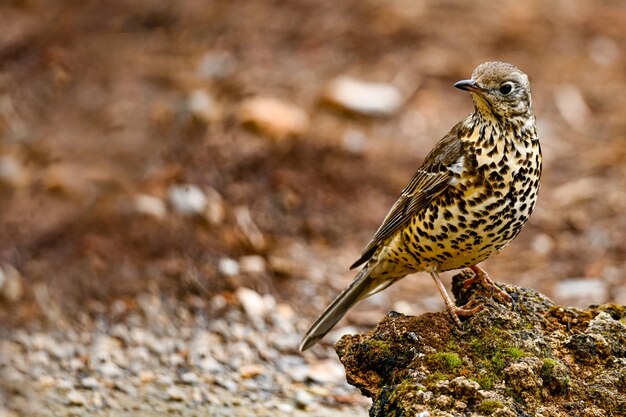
466 202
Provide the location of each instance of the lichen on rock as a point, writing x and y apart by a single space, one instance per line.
529 359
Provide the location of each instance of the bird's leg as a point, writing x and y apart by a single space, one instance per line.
455 312
483 279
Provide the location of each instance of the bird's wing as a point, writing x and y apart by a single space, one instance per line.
430 180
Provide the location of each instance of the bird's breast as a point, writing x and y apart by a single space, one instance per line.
485 207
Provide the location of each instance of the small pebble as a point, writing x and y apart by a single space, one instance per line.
189 378
11 286
252 302
76 398
252 264
150 206
285 407
362 97
304 398
12 172
203 106
89 382
176 394
187 199
275 118
228 267
251 371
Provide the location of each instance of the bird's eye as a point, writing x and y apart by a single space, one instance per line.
506 88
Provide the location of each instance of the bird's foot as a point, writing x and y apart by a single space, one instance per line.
469 309
483 279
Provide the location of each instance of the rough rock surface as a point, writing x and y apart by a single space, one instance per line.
533 359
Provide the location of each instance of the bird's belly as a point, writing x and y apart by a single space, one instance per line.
465 229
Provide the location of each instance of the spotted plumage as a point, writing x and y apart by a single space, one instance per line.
466 202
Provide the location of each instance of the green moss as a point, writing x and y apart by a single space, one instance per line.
437 376
554 376
446 361
547 368
486 381
492 355
515 352
488 406
380 346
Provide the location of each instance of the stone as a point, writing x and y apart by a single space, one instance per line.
535 359
13 174
362 97
76 398
249 229
176 394
273 117
253 303
149 205
203 106
251 371
89 382
187 199
215 212
228 267
252 264
189 378
11 285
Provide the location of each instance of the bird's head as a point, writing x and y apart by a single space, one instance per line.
499 89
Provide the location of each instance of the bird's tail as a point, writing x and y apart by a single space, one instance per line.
361 287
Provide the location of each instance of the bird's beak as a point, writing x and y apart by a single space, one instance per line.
468 85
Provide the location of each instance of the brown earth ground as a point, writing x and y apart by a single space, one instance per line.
94 110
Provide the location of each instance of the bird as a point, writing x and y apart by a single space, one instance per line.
469 199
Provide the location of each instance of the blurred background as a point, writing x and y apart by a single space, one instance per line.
228 155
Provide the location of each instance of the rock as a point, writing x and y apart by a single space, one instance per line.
189 378
203 107
12 172
76 398
251 233
303 399
150 206
275 118
176 394
361 97
11 286
255 305
252 264
228 267
535 359
187 199
251 371
215 211
89 382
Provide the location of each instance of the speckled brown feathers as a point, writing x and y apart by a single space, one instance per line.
466 202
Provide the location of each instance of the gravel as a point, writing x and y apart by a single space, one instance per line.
164 359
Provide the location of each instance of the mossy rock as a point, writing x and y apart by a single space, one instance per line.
532 359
